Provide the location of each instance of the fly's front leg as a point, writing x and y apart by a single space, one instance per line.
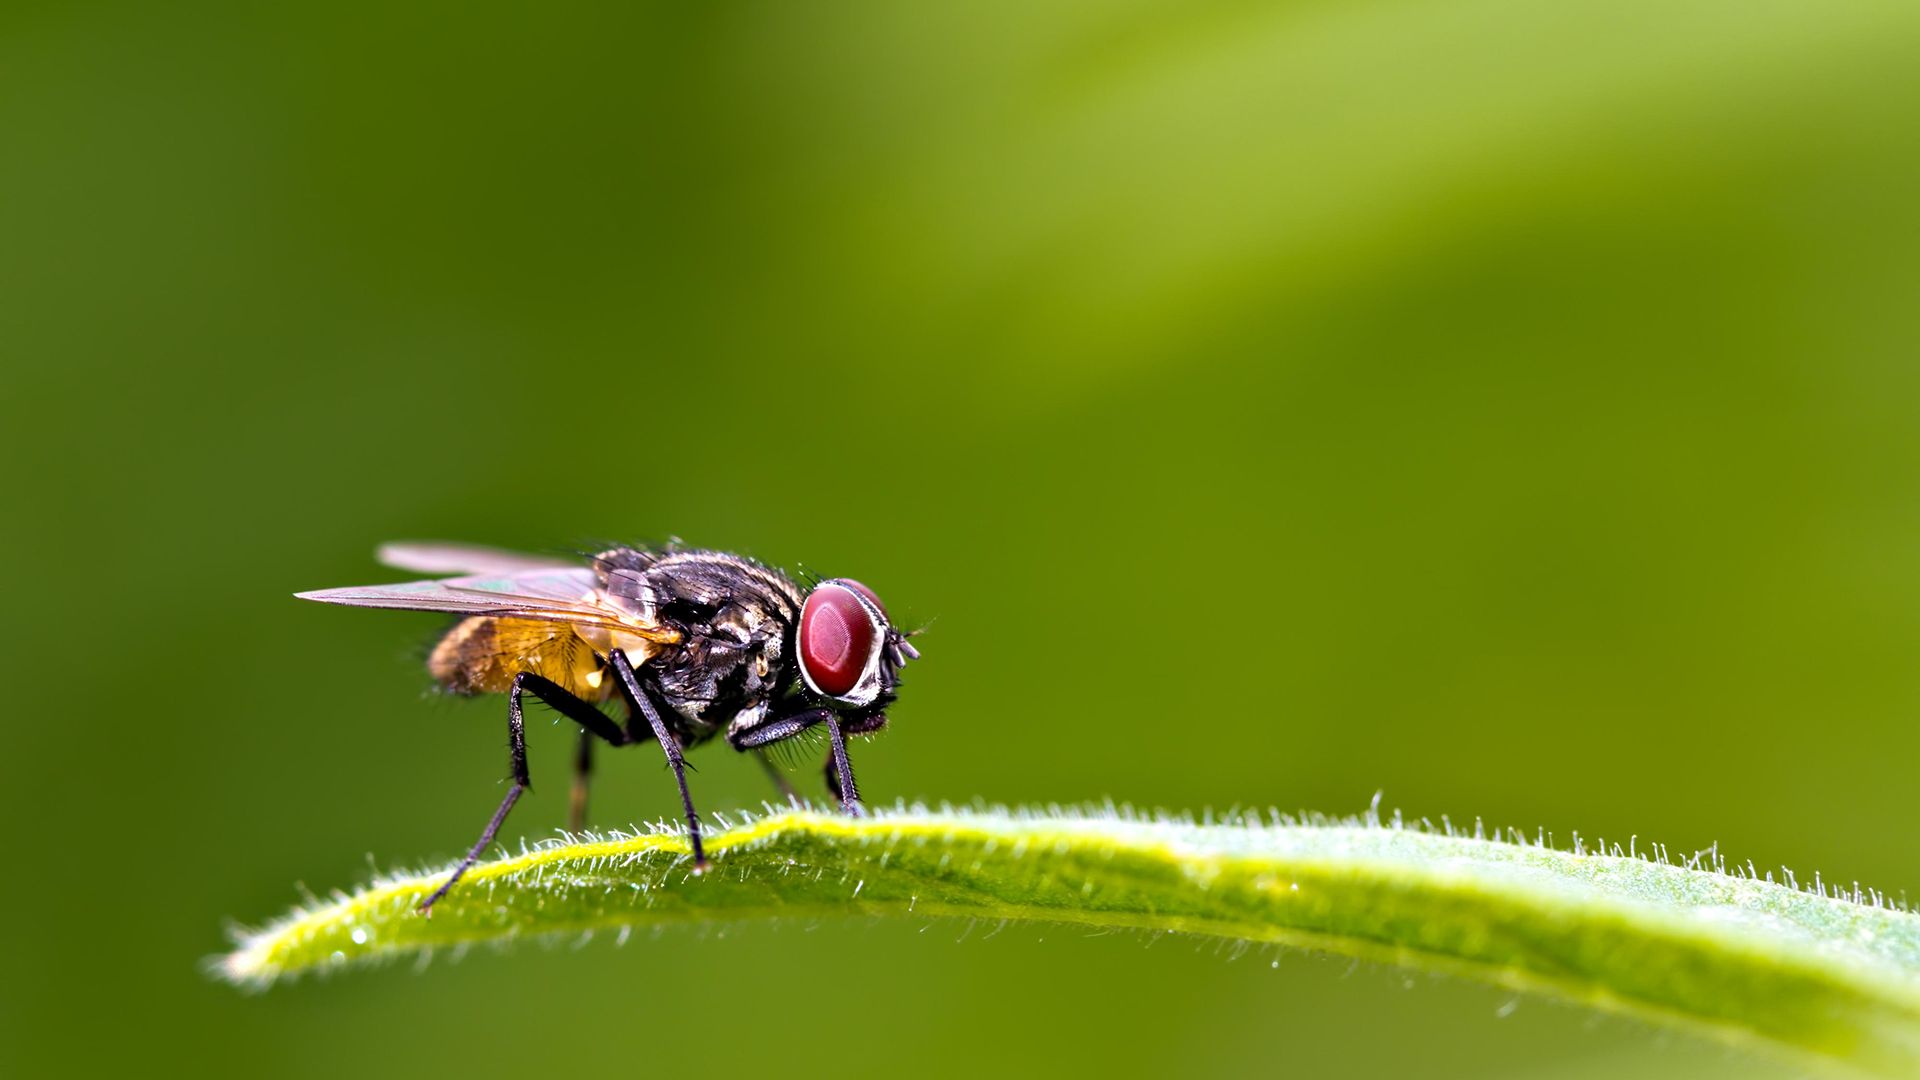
841 769
639 699
837 765
786 727
772 731
588 717
754 740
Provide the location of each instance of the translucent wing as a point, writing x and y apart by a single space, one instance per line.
435 557
564 594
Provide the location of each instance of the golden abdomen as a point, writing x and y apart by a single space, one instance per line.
481 655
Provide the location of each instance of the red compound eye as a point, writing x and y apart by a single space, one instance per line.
863 591
836 638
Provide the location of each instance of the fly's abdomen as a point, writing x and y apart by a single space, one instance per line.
481 655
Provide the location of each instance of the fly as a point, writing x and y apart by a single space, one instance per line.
692 644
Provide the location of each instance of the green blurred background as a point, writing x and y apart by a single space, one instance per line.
1507 406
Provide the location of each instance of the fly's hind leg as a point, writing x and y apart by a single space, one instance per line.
582 774
591 719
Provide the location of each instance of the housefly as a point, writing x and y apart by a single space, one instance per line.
692 644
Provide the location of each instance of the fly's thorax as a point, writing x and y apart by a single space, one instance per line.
721 668
733 617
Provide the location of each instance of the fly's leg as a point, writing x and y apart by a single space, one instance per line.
591 719
786 727
837 764
755 739
639 700
772 731
841 770
582 774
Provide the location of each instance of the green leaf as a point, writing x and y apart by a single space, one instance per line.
1690 943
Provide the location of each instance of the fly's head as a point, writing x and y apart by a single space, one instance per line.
849 654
